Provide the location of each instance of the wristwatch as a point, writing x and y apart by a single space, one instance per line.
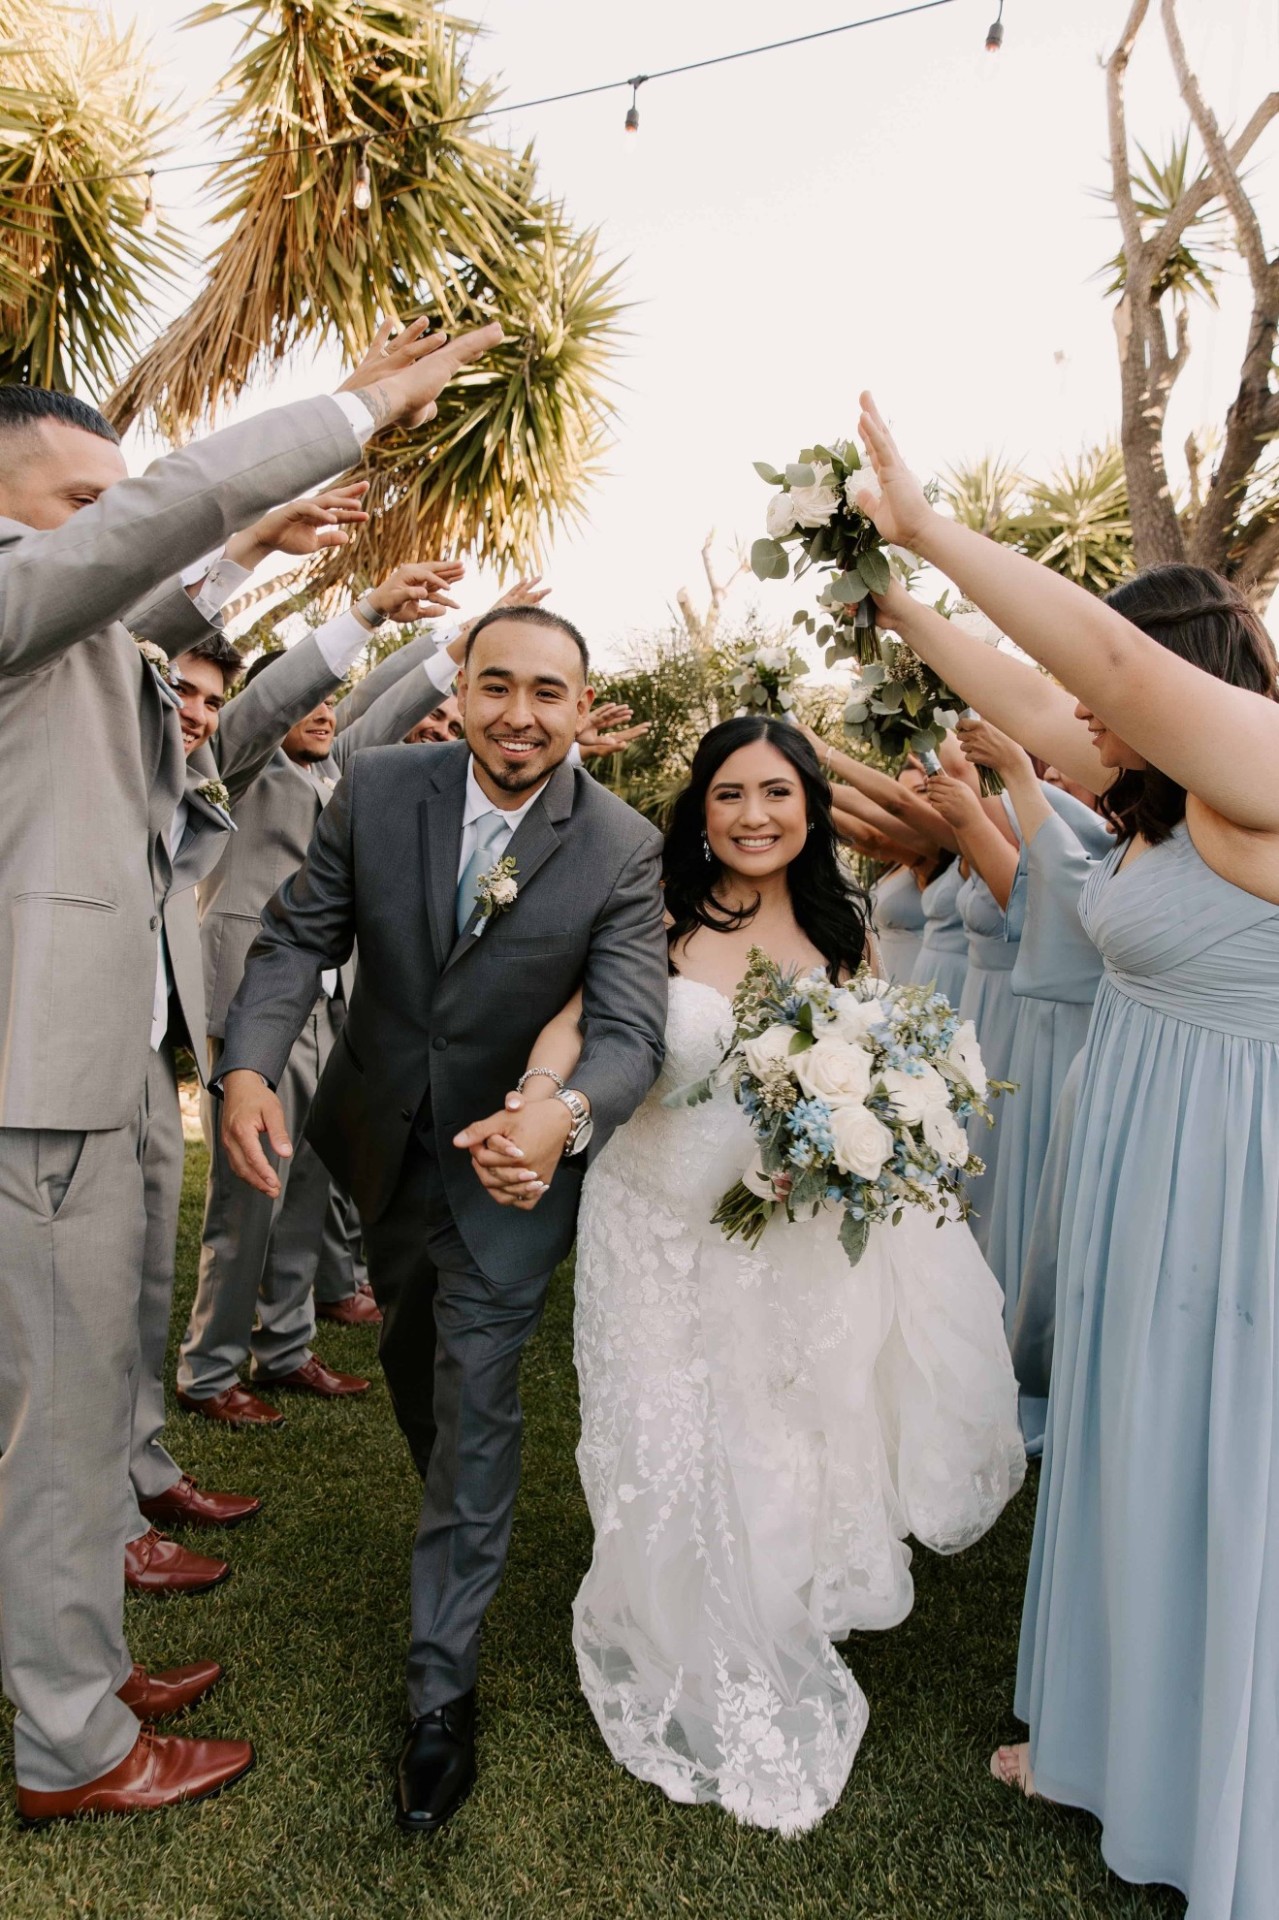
579 1136
371 615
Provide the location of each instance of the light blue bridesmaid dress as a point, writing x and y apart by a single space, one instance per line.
898 919
1055 979
1149 1667
987 1000
942 960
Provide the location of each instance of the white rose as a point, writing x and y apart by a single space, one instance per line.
915 1095
863 481
775 659
833 1071
503 892
813 506
854 1019
780 516
964 1055
945 1136
768 1049
862 1143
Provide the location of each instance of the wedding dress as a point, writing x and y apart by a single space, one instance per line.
761 1430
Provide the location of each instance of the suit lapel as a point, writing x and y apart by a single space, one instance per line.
533 843
440 816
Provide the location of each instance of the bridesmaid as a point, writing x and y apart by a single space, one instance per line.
1054 982
942 960
989 854
1149 1668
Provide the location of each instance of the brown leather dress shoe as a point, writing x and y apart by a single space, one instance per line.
156 1564
186 1505
234 1407
314 1377
154 1696
160 1772
359 1309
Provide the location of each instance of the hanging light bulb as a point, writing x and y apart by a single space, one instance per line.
362 191
995 31
150 218
632 112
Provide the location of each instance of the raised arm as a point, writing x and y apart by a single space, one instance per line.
252 725
986 746
981 843
1211 738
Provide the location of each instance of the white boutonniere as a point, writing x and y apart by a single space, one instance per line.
214 794
497 891
161 666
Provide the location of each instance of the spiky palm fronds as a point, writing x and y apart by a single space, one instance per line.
1076 521
1194 265
519 439
984 494
76 269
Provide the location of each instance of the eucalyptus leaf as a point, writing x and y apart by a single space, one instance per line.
875 674
853 1236
769 561
848 589
800 475
875 570
765 472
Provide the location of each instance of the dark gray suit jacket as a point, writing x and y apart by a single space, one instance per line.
444 1024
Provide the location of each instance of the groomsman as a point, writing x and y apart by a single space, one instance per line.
91 773
254 1300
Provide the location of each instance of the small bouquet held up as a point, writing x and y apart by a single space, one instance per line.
857 1097
898 705
764 676
816 509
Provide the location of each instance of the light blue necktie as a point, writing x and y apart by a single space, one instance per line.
492 833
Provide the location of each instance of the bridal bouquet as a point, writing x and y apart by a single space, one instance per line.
764 676
815 509
857 1097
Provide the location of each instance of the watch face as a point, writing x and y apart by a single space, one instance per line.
582 1136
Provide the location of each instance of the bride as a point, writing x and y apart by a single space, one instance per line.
761 1429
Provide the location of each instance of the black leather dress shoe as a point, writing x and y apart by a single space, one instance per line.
437 1767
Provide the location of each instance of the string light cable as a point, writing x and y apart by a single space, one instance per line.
362 194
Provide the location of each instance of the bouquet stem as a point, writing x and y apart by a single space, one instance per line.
743 1214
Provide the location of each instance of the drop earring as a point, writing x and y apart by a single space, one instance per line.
706 847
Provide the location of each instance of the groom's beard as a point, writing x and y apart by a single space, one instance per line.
518 775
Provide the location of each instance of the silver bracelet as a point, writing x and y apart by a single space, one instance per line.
546 1073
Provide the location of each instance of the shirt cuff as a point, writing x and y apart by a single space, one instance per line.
441 670
223 580
359 414
341 642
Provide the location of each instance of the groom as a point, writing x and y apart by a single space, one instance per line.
451 991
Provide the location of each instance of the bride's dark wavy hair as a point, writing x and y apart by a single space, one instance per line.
1203 618
830 908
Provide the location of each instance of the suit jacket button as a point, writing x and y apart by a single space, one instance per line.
439 1043
406 1113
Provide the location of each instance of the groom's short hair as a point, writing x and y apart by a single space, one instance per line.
532 616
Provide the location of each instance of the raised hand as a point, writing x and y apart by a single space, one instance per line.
301 526
528 592
603 730
249 1110
955 801
403 374
417 590
986 746
897 503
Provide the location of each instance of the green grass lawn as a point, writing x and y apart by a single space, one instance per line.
312 1631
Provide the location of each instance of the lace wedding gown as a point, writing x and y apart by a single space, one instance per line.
761 1429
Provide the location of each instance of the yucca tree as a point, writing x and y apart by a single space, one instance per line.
1075 520
456 228
77 271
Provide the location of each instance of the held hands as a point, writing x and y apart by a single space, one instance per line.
417 590
403 374
249 1110
515 1153
301 526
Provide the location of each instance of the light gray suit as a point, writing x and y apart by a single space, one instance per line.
438 1030
91 770
259 1257
249 731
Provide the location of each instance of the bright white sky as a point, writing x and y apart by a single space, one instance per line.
893 208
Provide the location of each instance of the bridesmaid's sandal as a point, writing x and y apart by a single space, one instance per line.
1011 1767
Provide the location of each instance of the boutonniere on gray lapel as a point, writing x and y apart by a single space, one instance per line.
161 666
496 891
214 794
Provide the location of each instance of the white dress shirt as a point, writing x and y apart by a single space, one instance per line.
163 976
477 807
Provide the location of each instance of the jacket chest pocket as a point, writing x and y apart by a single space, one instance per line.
527 946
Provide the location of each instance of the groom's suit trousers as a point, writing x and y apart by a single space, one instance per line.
450 1347
72 1226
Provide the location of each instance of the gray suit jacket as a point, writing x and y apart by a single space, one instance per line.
91 763
276 817
250 730
439 1027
